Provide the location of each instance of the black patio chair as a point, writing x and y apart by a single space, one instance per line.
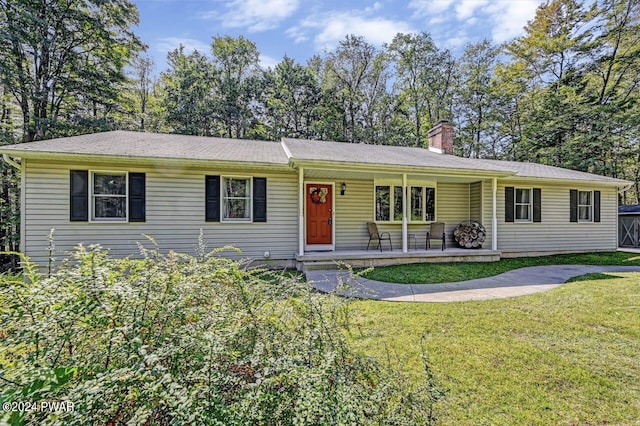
436 232
375 235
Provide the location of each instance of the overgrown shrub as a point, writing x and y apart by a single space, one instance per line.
176 339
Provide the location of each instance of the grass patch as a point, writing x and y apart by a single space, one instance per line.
434 273
593 277
567 356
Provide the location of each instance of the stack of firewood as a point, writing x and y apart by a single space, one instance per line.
470 234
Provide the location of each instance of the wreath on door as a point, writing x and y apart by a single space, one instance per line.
319 195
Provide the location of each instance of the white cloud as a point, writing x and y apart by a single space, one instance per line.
457 41
425 8
297 34
511 17
467 8
268 61
167 44
255 15
335 26
374 7
504 19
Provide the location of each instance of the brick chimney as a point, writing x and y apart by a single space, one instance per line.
441 138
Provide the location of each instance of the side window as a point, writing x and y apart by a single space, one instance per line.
383 203
109 196
101 196
584 206
236 199
522 204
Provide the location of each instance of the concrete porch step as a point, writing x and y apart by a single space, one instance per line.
361 258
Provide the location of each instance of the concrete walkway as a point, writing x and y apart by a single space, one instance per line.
509 284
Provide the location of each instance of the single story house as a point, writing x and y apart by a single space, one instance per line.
298 201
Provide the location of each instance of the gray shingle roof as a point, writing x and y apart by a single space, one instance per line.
341 152
541 171
184 147
159 145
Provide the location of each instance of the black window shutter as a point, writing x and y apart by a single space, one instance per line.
596 206
537 205
137 197
573 205
212 199
509 205
79 196
259 199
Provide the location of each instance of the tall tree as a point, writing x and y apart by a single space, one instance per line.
355 72
60 57
9 185
476 102
143 86
291 98
611 91
187 93
236 62
425 81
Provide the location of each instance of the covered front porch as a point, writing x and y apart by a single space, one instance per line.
336 202
372 258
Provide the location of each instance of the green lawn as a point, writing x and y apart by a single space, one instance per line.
433 273
568 356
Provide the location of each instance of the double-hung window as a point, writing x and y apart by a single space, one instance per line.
585 206
109 196
236 199
101 196
523 204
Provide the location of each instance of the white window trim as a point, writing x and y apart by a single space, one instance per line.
516 204
411 183
223 198
578 205
92 196
424 203
391 186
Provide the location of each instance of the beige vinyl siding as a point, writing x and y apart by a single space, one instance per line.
556 233
475 201
174 214
353 211
453 207
356 208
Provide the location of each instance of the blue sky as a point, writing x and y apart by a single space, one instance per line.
302 28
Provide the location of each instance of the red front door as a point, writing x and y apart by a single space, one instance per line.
319 214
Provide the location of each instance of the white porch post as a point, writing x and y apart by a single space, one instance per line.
301 211
494 216
404 213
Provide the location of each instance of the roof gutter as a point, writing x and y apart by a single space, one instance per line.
12 163
388 168
100 158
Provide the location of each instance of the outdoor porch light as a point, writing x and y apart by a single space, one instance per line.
343 188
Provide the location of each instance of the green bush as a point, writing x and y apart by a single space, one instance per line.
177 339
